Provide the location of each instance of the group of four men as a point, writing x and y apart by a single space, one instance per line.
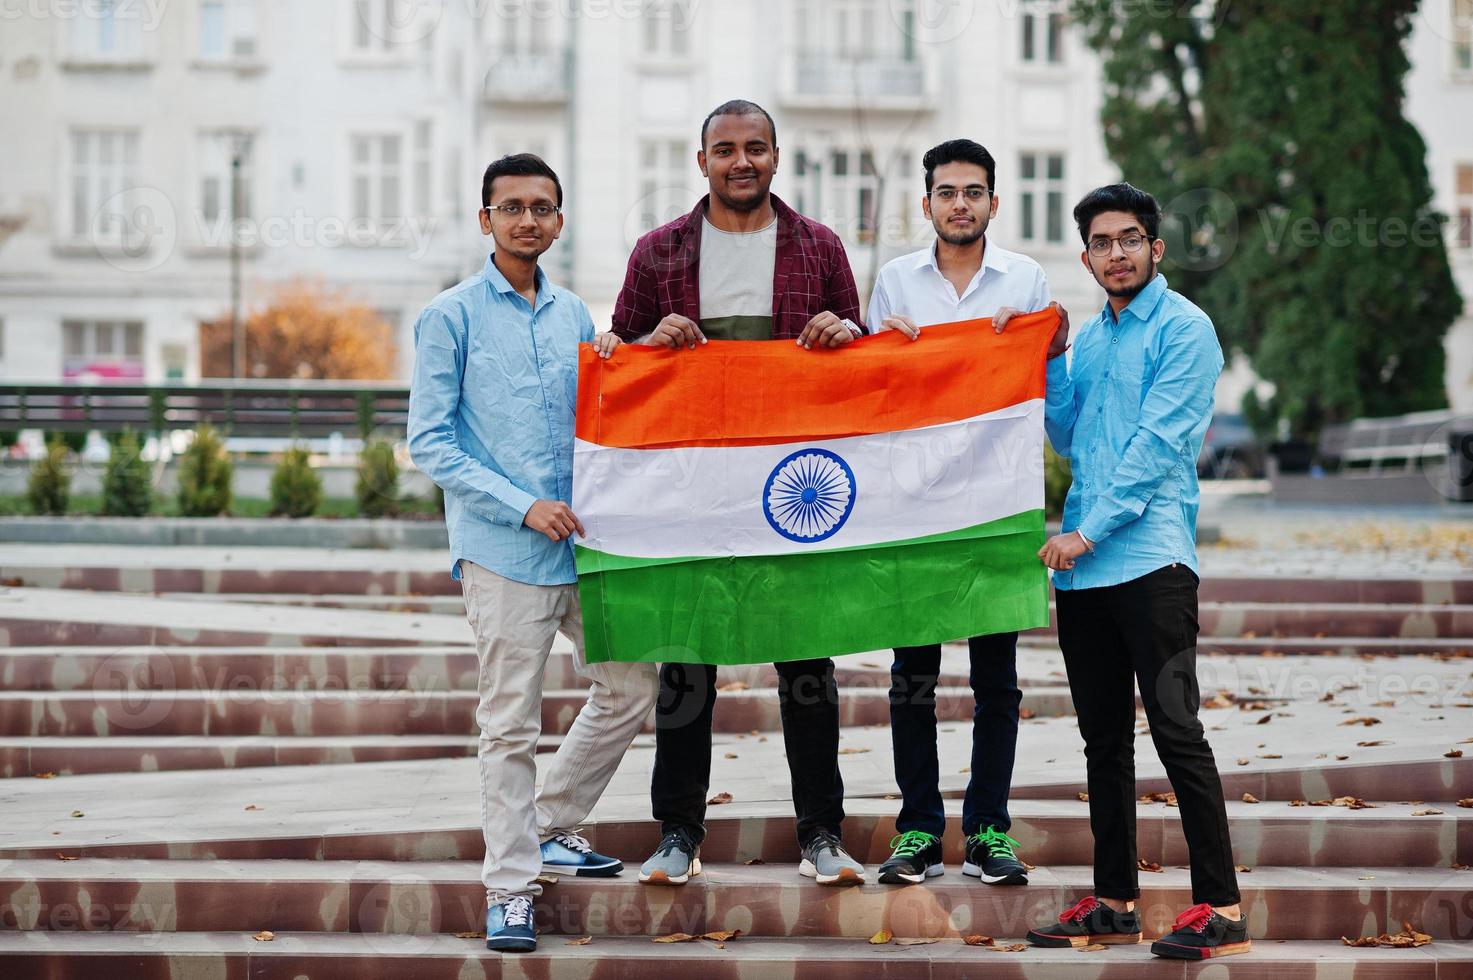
491 422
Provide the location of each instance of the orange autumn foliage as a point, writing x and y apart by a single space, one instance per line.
307 331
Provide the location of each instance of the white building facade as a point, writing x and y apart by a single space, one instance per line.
356 132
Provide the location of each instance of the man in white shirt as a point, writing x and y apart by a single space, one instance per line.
963 276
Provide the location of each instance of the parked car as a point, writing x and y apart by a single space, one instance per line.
1230 451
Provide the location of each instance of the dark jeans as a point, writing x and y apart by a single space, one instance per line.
994 679
1144 630
809 701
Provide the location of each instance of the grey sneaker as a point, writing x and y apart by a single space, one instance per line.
676 860
826 861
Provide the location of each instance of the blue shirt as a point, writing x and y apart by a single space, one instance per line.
491 418
1130 413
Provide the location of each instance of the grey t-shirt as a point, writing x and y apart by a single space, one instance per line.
736 282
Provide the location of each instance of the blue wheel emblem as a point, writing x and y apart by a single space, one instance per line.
809 495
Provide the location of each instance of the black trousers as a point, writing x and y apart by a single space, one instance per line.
1144 630
809 701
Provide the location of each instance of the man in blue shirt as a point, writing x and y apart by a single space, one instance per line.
491 423
1130 413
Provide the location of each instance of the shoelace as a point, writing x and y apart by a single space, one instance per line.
998 844
1194 918
911 843
518 911
1080 909
673 840
573 843
823 839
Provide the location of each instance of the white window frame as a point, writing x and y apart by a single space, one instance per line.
374 170
1043 26
1460 35
90 183
91 333
105 32
371 35
240 32
213 149
1042 197
854 30
666 178
659 35
1462 209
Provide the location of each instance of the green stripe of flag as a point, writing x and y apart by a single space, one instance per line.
767 608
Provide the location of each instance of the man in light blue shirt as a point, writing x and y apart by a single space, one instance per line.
1130 413
491 422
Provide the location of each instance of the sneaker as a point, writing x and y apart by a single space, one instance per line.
825 860
569 854
1089 921
990 856
676 860
509 926
915 856
1199 933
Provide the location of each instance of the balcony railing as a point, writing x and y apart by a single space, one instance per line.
528 78
821 80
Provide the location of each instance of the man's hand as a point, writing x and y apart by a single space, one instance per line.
605 343
825 330
1060 342
901 324
1061 550
675 332
554 519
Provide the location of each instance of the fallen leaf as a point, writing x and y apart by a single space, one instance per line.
1082 797
755 861
853 751
253 807
1151 866
1429 812
1298 803
1093 948
1242 869
675 937
1369 745
1408 938
1364 720
979 941
731 755
470 935
78 813
733 686
44 775
264 936
1454 754
880 938
719 799
1249 798
1362 941
721 937
547 879
1466 804
1168 798
1342 758
64 857
1027 713
1270 755
915 942
1264 720
1010 948
584 941
1243 762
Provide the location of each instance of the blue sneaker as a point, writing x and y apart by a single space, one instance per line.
569 854
509 927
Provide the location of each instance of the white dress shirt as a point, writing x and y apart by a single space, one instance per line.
913 286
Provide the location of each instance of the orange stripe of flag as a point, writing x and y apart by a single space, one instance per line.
741 393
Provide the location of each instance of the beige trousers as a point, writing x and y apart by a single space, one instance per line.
514 626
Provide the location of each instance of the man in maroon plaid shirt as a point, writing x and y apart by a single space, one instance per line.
743 266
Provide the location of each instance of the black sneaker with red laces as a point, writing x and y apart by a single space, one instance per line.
1199 933
1089 921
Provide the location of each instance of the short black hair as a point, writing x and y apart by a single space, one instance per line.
739 107
519 165
960 151
1118 197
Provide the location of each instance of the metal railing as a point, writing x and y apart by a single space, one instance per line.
276 408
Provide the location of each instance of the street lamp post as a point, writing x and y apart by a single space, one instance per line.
237 324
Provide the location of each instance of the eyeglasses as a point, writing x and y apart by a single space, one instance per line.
948 194
1130 244
539 211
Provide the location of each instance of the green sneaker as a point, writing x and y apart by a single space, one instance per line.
991 857
916 856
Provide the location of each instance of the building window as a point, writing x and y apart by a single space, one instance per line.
227 30
103 168
842 187
857 30
665 31
1462 35
525 29
1041 197
665 171
108 30
388 28
376 177
217 154
1043 34
1463 206
103 349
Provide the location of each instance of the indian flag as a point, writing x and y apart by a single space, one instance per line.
749 502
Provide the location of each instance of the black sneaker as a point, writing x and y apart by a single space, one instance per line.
915 856
1199 933
990 856
1089 921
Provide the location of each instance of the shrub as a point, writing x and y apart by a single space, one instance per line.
378 480
205 473
296 489
127 484
50 486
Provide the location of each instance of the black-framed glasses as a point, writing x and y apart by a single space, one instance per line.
1130 243
974 193
539 211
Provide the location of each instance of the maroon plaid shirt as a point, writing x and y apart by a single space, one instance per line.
811 275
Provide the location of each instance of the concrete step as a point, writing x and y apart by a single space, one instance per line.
350 956
761 900
18 632
1051 833
325 713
